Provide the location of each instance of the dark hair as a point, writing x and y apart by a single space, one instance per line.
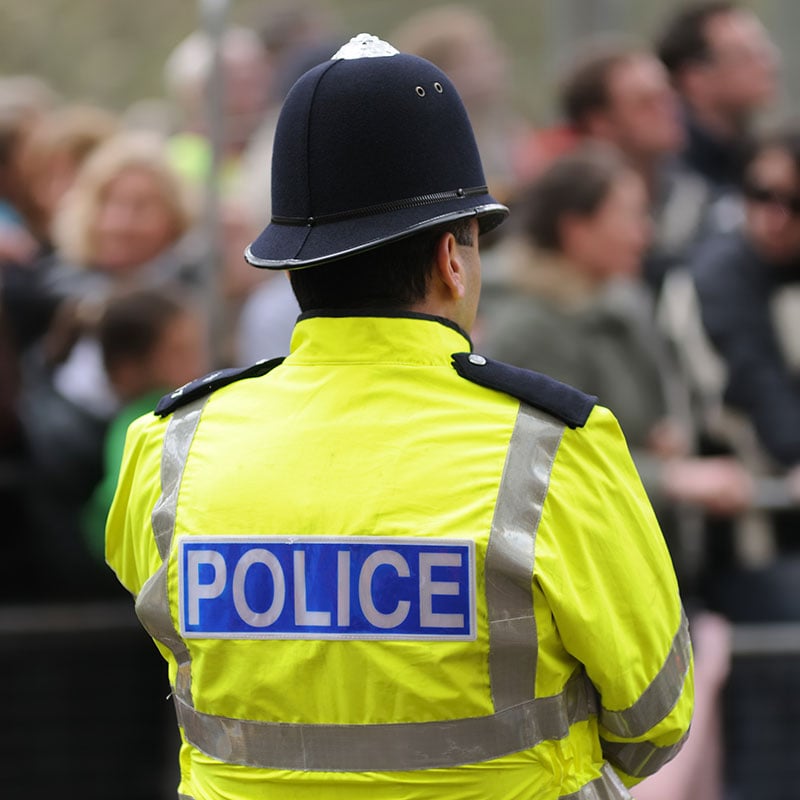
684 40
133 322
392 276
585 87
577 183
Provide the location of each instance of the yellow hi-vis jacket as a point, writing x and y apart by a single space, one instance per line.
373 577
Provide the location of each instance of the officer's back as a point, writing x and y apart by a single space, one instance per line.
386 566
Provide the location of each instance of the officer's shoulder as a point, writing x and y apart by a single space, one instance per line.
210 383
564 402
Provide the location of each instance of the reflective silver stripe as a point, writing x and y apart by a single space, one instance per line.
152 603
175 449
660 696
394 747
640 759
607 787
184 797
510 556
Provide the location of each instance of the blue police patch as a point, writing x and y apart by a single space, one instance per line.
351 587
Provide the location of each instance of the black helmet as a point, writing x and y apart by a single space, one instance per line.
370 147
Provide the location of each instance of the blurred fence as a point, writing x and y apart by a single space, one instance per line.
86 712
85 709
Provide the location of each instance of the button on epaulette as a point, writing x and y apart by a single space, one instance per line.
210 383
568 404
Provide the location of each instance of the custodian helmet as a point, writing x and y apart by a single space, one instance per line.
370 147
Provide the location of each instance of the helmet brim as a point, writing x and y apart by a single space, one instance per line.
284 246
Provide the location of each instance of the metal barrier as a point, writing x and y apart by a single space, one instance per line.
84 697
83 692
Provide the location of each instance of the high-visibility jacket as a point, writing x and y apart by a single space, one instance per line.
375 574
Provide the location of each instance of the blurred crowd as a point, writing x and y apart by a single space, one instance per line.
652 259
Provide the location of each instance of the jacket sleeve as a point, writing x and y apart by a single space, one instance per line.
130 547
603 566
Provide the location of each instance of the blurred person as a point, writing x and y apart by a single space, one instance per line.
289 28
48 162
23 99
247 77
747 285
245 90
572 304
52 153
297 36
462 42
724 67
621 93
125 222
749 301
568 673
152 341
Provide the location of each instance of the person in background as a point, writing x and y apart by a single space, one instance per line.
246 79
246 83
23 99
152 341
51 155
124 223
747 285
724 66
621 94
462 42
571 303
48 163
465 537
297 37
748 288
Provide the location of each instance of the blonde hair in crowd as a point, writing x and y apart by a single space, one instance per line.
137 151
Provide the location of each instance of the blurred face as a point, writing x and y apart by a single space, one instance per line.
611 242
246 78
181 354
134 222
642 116
741 74
772 195
480 74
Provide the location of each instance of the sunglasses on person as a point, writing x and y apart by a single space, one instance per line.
763 195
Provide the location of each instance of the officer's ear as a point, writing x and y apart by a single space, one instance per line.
449 267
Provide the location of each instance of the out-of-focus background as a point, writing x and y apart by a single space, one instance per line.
113 53
650 154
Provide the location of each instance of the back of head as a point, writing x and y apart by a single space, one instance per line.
132 323
151 340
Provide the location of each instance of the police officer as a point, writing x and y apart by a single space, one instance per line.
388 567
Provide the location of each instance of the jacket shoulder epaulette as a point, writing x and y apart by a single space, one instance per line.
564 402
210 383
